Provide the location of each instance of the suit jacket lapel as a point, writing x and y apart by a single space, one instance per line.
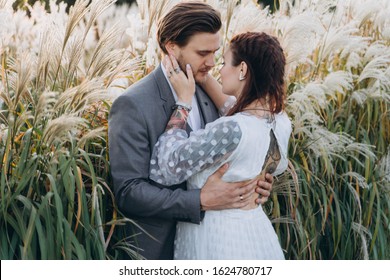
207 109
166 94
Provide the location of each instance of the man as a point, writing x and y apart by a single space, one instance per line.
138 117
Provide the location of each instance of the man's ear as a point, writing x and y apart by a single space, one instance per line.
171 48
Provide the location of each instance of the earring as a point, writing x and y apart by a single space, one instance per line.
241 76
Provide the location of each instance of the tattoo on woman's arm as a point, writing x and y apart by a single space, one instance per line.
178 119
273 156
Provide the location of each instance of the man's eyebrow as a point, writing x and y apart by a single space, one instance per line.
208 51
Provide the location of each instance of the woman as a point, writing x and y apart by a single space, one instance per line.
252 138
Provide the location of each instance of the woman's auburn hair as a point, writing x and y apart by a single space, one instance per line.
185 20
266 69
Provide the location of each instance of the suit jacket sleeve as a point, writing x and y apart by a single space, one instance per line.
130 150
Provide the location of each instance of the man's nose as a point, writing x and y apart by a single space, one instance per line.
210 61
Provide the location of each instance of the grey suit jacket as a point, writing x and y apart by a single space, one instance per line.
137 118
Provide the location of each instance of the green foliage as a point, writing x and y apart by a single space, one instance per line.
55 198
340 208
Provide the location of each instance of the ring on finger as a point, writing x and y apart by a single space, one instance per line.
177 70
241 197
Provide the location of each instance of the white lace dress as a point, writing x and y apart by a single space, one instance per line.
243 141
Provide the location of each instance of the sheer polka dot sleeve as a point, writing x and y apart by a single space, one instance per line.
176 156
229 103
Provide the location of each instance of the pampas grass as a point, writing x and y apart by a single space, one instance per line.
55 201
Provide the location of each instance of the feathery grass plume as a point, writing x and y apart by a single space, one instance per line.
44 107
329 145
143 8
152 11
136 31
377 62
58 129
5 3
119 13
303 29
365 12
305 122
95 10
47 49
72 57
125 68
363 233
384 171
104 45
156 10
249 17
335 40
283 183
324 132
108 62
8 29
356 180
53 146
5 97
20 75
283 220
338 82
79 98
353 52
226 15
360 96
356 150
76 14
3 133
147 47
90 135
354 60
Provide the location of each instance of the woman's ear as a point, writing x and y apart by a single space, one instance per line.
243 71
244 68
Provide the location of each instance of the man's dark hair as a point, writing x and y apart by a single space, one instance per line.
186 20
